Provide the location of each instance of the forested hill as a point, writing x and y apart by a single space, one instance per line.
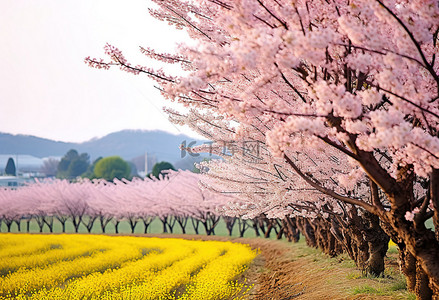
127 144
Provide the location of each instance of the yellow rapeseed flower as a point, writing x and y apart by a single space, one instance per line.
119 267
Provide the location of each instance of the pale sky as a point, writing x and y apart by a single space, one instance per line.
48 91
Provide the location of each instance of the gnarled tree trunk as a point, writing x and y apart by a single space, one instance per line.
378 244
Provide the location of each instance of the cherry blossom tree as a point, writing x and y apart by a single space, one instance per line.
102 205
9 211
71 199
174 198
359 77
140 194
188 200
266 187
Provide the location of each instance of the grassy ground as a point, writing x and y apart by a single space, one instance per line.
156 227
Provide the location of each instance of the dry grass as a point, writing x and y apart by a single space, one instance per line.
295 271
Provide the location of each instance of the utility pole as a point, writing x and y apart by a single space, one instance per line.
146 163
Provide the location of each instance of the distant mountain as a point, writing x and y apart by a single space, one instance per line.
129 144
32 145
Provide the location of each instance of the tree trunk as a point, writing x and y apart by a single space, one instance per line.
427 271
255 227
344 240
164 222
62 220
171 224
76 222
243 226
40 222
230 223
378 244
195 224
182 221
332 250
419 253
307 231
49 222
269 228
104 220
206 227
116 226
292 233
27 225
183 229
422 289
18 222
103 225
363 239
146 222
145 225
210 223
280 233
133 223
375 263
261 224
8 225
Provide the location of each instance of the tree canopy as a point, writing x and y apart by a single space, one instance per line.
90 170
161 167
50 167
73 164
112 167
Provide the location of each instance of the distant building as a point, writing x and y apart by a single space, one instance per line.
13 181
25 164
28 168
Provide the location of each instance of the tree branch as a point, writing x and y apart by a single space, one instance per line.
415 42
329 192
273 15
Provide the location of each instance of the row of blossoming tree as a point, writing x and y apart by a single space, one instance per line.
175 199
344 95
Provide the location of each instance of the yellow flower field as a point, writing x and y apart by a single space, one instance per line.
34 266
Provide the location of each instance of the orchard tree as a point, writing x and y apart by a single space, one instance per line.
268 191
160 168
50 167
73 165
90 170
173 199
10 211
112 167
188 198
358 76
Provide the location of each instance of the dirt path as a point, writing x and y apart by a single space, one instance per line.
282 273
